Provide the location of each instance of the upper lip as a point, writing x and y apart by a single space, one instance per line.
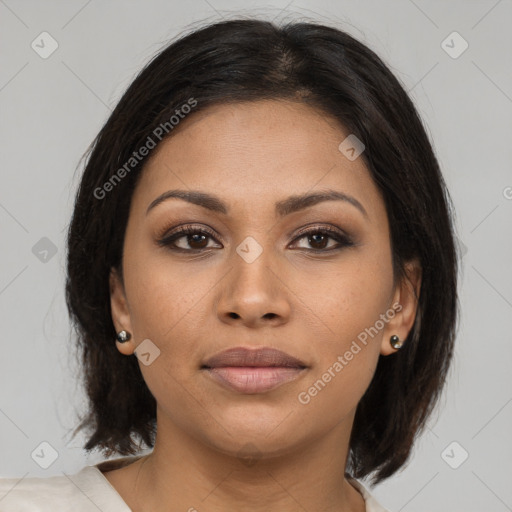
242 356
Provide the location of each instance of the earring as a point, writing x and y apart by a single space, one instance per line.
123 336
395 341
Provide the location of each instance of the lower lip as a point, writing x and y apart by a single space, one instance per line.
251 380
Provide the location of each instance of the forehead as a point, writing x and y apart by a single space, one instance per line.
251 152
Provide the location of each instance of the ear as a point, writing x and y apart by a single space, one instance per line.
120 312
405 304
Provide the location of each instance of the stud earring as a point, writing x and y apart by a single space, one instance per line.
123 336
395 341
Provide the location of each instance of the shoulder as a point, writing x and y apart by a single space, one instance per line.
84 491
372 505
41 494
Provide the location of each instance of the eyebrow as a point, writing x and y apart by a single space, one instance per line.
284 207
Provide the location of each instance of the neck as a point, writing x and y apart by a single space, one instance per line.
184 474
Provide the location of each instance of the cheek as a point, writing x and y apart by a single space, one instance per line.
163 293
349 302
346 298
172 308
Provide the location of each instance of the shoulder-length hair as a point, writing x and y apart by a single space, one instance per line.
244 60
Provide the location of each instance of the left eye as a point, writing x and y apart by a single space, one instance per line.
318 239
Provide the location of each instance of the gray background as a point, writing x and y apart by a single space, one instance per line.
52 108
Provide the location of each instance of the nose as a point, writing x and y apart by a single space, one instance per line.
254 294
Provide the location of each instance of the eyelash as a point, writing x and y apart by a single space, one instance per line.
342 239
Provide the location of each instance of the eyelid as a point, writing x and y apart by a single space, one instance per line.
316 226
170 229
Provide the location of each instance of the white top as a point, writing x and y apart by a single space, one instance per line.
89 491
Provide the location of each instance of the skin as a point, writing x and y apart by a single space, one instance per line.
312 306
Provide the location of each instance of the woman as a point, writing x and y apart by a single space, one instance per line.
262 274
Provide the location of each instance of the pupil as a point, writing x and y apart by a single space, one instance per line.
322 242
195 240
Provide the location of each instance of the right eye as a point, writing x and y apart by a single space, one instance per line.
196 238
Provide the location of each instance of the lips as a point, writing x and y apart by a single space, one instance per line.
261 357
253 371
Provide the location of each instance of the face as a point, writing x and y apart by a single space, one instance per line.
313 278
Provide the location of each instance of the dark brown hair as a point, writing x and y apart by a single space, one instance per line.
244 60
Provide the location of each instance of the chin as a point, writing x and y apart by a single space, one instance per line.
260 433
250 449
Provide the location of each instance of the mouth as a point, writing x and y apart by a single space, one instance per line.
253 371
